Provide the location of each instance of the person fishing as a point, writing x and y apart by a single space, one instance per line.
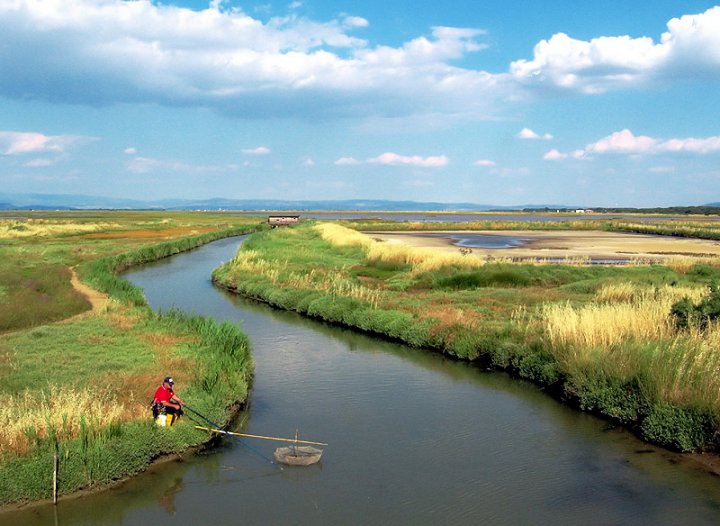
166 405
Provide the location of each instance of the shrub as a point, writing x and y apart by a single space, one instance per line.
623 401
684 313
678 428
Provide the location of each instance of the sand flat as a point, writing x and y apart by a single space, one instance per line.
566 244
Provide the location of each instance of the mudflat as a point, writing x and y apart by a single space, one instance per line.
565 244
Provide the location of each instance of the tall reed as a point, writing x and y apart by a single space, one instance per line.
57 411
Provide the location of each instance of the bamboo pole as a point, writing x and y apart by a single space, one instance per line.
222 432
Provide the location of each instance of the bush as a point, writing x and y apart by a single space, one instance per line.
625 402
681 429
685 313
485 278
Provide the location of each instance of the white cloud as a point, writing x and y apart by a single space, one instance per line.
625 142
130 151
347 161
527 133
18 143
484 162
260 150
291 66
355 21
690 47
223 58
393 159
308 162
554 155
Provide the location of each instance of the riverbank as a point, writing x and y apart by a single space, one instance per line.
81 388
622 357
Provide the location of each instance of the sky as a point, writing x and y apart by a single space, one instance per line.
507 103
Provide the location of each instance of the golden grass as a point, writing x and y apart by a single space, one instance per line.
420 259
58 410
629 331
13 228
689 370
341 236
606 325
632 292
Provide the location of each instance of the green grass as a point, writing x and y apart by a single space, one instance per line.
493 314
36 294
34 271
122 353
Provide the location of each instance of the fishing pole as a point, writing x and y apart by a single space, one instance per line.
224 432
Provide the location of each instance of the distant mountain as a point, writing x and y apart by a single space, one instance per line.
65 202
84 202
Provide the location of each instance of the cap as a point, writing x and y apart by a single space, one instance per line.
168 380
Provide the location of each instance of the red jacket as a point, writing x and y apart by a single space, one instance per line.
163 396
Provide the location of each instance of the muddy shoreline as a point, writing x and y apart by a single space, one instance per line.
550 244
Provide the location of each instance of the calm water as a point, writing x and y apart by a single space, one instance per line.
460 217
415 438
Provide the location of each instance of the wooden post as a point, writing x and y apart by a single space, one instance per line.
55 477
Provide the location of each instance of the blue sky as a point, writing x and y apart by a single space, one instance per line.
592 103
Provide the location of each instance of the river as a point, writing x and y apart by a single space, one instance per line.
414 438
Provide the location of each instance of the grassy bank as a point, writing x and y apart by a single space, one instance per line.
600 337
82 388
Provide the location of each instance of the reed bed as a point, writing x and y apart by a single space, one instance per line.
633 292
628 334
687 372
579 330
277 272
59 413
420 259
14 229
694 228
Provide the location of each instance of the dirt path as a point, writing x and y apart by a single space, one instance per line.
97 299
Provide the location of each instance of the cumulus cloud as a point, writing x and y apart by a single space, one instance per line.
260 150
130 151
100 52
393 159
484 162
106 51
527 133
17 143
554 155
690 47
626 142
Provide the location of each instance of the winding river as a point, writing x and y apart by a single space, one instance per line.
415 438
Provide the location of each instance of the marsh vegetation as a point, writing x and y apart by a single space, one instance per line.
601 337
80 388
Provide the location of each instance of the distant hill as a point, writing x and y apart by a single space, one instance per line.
84 202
